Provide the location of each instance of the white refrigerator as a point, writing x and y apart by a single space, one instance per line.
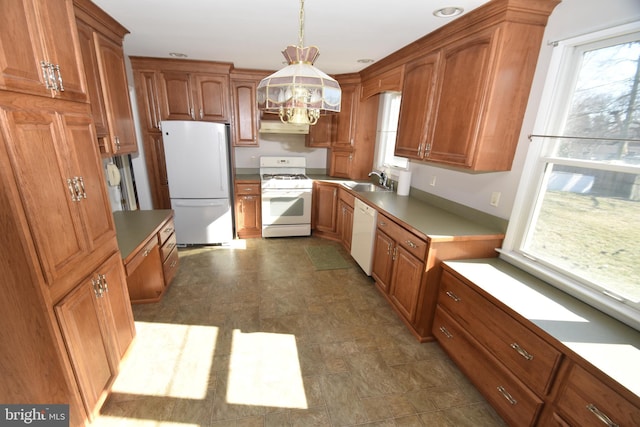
197 159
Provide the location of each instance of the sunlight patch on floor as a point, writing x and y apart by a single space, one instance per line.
264 370
169 360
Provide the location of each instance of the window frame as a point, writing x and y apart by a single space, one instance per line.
559 84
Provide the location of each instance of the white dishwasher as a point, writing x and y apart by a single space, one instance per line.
364 233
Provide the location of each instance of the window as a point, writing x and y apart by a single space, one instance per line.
577 218
388 115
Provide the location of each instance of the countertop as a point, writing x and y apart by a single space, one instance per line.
133 228
606 343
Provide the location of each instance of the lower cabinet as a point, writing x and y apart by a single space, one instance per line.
97 328
153 265
398 265
325 205
344 225
530 378
248 209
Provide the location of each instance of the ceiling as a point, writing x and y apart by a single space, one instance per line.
253 33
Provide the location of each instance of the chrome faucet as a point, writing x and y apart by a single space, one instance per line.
382 177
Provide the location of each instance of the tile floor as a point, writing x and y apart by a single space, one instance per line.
255 336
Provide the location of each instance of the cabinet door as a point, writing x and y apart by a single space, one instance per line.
92 72
61 42
326 199
148 101
345 224
416 107
95 208
346 119
212 97
382 261
86 337
405 282
177 96
341 164
322 133
249 221
113 78
245 121
118 306
52 210
40 30
463 77
156 167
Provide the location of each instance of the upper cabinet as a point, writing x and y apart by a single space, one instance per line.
416 106
101 44
244 83
39 51
194 96
347 118
466 86
388 81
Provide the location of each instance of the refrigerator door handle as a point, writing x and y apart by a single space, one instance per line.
221 149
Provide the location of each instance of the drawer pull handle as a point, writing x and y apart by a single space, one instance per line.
411 244
521 351
168 230
382 223
453 296
173 264
601 415
506 395
446 332
146 252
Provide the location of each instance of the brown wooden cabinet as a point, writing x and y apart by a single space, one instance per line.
352 147
398 265
168 89
406 267
57 227
245 108
97 327
153 262
325 206
529 376
387 81
416 107
458 107
322 133
344 225
39 50
194 96
248 209
101 44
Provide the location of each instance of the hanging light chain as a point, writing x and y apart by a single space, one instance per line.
301 33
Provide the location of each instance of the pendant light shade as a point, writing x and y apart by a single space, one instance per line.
299 92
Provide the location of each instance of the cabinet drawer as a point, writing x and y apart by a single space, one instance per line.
415 245
527 355
518 405
346 197
586 401
247 188
168 246
166 232
141 255
170 266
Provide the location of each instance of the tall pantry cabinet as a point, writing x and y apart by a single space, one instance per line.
66 317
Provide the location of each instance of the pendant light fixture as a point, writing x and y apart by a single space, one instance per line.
299 92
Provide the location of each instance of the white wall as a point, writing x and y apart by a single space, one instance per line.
570 18
280 145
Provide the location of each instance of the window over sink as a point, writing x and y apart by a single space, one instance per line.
387 129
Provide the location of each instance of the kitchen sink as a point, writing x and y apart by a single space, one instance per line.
365 187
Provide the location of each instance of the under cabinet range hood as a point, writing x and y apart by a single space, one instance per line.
276 126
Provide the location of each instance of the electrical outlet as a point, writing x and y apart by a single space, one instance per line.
433 181
495 198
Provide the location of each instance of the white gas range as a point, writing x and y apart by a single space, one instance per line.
286 196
